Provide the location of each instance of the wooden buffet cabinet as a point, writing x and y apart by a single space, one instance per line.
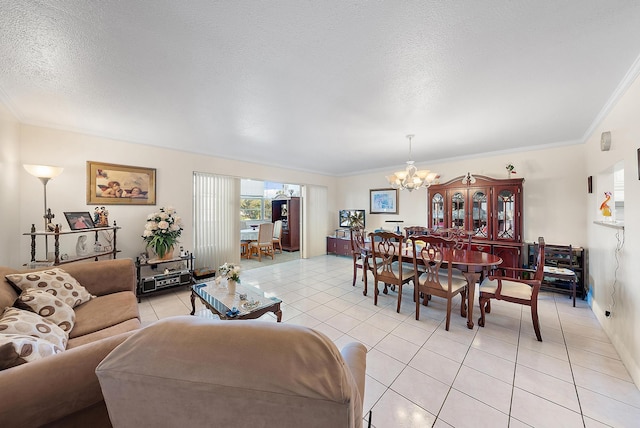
488 209
288 210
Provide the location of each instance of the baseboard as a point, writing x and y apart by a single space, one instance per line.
627 359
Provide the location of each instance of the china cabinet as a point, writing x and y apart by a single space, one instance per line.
488 209
288 210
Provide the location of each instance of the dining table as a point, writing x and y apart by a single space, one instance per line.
471 262
249 234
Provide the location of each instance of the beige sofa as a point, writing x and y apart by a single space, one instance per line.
189 371
62 389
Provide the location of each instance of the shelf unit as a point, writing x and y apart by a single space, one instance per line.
57 234
166 279
288 210
556 255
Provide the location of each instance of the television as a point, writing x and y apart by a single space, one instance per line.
350 218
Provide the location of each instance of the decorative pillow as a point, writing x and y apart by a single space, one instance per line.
47 306
16 349
56 281
18 321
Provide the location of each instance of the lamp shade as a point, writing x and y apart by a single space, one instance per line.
43 171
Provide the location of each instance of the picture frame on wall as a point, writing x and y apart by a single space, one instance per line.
383 201
79 220
112 184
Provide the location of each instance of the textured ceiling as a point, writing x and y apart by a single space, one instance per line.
326 86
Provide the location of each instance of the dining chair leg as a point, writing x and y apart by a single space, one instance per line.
355 271
365 271
399 298
536 321
416 298
573 286
448 314
375 292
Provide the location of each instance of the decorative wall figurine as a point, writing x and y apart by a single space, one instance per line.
604 206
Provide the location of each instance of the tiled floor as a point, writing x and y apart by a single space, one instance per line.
419 375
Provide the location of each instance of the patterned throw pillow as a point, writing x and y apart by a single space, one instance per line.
16 349
56 281
47 306
26 323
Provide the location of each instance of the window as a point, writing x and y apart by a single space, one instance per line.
251 208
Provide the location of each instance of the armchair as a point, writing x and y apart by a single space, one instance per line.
197 372
515 289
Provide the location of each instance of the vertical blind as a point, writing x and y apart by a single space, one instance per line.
314 221
216 219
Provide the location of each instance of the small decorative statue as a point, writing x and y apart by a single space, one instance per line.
510 170
81 246
604 206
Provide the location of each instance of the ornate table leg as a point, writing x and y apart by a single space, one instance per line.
193 302
472 277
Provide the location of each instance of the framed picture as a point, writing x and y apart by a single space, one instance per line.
79 220
383 201
111 184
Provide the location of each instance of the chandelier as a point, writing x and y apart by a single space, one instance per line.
411 178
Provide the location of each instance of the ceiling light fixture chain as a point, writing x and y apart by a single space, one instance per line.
411 178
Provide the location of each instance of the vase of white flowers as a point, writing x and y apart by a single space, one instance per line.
230 272
162 231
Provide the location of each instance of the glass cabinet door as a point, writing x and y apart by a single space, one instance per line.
437 211
480 214
457 210
506 211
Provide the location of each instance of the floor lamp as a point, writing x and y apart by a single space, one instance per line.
45 173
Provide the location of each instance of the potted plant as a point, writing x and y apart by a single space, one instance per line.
162 231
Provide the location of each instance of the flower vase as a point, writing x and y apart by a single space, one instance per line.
167 256
231 286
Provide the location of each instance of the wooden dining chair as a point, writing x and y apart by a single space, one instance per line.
517 286
386 252
439 278
361 256
264 244
277 235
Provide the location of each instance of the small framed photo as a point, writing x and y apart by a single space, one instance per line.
111 184
383 201
79 220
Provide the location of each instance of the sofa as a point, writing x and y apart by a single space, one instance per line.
62 389
190 371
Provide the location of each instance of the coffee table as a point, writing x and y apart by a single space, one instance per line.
220 302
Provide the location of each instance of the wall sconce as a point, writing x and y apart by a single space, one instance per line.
45 173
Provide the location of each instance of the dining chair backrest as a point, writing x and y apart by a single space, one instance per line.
357 240
428 249
385 248
277 229
539 273
265 233
415 230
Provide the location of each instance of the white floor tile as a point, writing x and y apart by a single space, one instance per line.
416 370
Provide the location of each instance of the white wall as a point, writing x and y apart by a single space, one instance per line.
67 192
555 192
9 173
622 326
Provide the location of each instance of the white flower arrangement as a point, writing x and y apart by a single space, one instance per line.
162 230
229 271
